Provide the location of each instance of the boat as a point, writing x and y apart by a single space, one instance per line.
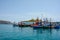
57 27
44 27
36 26
15 24
43 24
23 25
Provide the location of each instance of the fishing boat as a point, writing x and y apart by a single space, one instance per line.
15 24
44 27
36 26
57 27
23 24
44 24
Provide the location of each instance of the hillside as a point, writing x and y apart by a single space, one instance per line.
4 22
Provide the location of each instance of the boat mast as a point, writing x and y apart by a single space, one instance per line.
50 22
42 19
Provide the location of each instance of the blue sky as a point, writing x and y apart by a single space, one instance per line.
18 10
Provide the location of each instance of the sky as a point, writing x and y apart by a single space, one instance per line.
20 10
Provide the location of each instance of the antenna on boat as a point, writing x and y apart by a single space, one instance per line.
50 22
42 19
41 16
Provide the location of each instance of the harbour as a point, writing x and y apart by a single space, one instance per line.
46 24
29 19
8 32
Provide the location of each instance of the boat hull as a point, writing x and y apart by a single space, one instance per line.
57 27
24 25
44 27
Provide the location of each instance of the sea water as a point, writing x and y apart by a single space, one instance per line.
8 32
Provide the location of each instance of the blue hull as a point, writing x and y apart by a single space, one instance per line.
44 27
57 27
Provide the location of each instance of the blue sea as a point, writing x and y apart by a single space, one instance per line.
8 32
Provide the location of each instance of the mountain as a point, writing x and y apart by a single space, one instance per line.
5 22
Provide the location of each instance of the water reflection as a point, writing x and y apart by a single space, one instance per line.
40 30
34 30
50 34
29 33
